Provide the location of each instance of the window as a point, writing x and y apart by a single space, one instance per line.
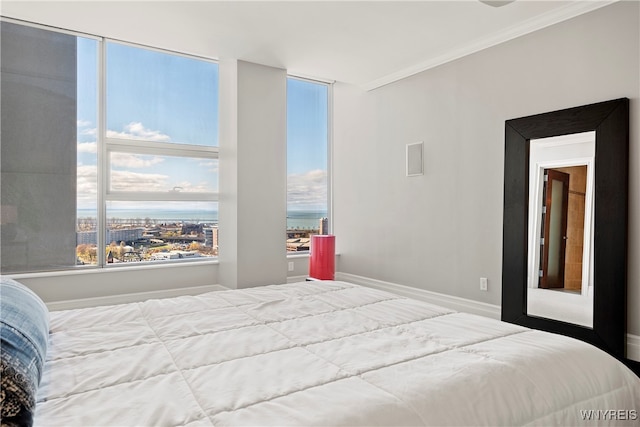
307 162
119 153
161 143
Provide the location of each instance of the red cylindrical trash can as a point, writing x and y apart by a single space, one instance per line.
322 263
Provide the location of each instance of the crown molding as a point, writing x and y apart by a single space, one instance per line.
573 9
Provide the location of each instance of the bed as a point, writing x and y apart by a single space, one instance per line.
319 353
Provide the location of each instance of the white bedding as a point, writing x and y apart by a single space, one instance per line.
319 353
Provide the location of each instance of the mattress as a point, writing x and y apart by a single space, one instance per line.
319 353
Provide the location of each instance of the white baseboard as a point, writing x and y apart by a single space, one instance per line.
448 301
294 279
457 303
133 297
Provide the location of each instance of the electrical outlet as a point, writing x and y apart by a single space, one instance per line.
290 265
483 283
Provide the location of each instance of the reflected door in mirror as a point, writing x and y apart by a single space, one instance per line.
554 241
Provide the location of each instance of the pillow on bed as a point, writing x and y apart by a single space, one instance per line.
24 331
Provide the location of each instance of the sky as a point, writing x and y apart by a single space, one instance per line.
167 98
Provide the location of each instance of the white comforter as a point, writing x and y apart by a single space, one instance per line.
319 353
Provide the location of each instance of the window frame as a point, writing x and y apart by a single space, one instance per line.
156 149
108 145
330 86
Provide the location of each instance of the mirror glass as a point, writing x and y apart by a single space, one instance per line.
560 282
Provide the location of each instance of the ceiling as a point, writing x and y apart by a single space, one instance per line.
367 43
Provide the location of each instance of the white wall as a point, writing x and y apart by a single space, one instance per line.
253 177
105 283
443 231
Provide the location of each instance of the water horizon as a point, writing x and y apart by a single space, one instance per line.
295 218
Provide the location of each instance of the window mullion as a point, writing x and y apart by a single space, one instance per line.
134 196
330 157
102 173
161 148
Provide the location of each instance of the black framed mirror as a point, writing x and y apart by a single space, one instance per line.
609 121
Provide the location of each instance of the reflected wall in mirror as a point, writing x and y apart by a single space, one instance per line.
572 281
560 280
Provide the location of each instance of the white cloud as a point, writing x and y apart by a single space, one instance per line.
188 187
87 185
129 160
308 190
136 130
134 181
212 166
90 132
88 147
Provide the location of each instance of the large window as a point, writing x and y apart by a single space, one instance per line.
161 142
307 162
109 152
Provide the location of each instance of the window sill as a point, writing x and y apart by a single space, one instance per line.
301 254
86 270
